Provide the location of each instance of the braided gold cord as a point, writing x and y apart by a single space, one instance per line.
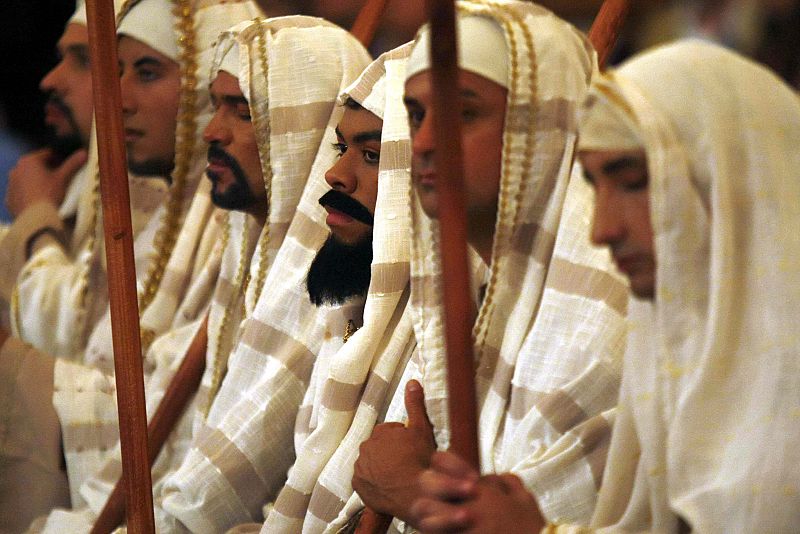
262 127
220 360
186 133
508 210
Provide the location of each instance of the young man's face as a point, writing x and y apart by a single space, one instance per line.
150 83
234 166
68 112
622 213
354 176
341 269
483 113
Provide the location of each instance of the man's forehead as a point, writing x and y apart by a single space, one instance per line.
134 50
472 86
75 34
358 121
226 84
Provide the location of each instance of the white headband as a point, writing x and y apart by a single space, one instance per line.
606 122
152 23
482 49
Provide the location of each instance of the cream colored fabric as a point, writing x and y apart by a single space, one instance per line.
32 478
709 406
350 391
152 23
550 328
178 278
239 453
611 123
488 60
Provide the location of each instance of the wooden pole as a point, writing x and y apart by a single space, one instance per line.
368 20
180 391
607 27
121 270
457 301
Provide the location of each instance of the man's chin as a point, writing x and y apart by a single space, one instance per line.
150 167
428 201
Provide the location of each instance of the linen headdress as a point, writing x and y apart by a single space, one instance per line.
344 404
548 337
707 427
276 345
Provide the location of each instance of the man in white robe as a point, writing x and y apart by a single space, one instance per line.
549 329
692 152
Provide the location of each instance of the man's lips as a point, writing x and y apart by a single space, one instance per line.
52 114
628 263
336 217
426 179
132 134
217 166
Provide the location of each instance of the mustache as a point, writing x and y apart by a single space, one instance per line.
347 205
218 153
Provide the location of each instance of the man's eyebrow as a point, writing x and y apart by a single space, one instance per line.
232 100
338 133
622 164
79 49
409 101
587 176
147 61
363 137
469 93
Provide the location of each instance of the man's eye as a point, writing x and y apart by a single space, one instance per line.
82 60
340 149
147 75
372 157
415 118
243 112
468 114
638 185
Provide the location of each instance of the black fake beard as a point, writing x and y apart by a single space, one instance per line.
340 271
238 195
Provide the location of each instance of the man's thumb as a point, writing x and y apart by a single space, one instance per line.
72 164
415 406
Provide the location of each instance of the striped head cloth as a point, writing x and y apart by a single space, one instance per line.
707 425
309 62
550 328
342 406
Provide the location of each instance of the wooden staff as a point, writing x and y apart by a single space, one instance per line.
121 270
368 20
607 27
180 391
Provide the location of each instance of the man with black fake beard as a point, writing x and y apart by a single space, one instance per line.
341 269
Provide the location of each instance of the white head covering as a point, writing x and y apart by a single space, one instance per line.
481 49
607 122
79 16
152 23
550 328
708 427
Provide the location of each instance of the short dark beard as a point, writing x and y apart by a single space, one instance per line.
238 195
340 271
62 146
